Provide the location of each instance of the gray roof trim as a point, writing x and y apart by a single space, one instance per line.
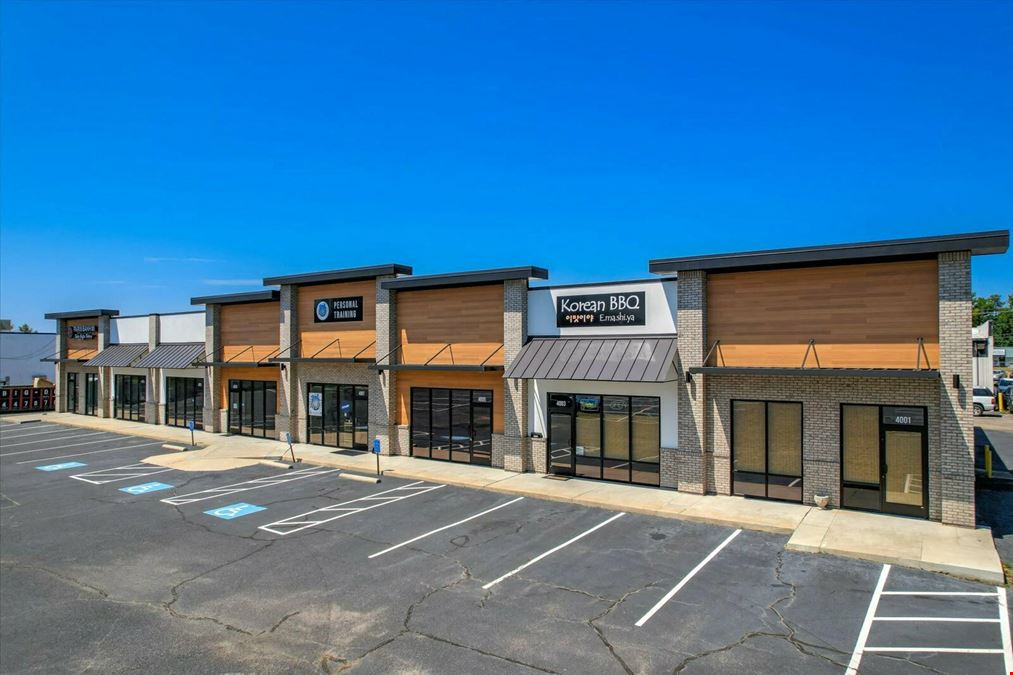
83 314
307 359
603 359
121 355
236 298
172 355
465 278
586 284
350 274
818 372
978 243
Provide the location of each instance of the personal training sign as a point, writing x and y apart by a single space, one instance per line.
328 310
601 309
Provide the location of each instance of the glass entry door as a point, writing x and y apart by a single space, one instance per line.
904 477
184 401
72 392
91 393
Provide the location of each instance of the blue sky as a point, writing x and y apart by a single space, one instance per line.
152 151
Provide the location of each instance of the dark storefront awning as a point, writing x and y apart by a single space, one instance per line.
119 355
647 359
179 355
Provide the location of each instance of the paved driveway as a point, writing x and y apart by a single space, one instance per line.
112 565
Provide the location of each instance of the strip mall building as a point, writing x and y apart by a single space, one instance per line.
838 370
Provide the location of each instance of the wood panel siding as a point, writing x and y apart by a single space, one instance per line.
469 319
348 337
81 349
265 374
250 331
493 381
860 315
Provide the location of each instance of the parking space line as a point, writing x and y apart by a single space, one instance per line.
254 484
103 476
944 619
936 593
870 614
551 551
685 579
60 447
445 527
934 650
93 452
1004 629
39 433
345 509
23 452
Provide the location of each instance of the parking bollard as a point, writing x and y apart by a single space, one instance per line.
988 461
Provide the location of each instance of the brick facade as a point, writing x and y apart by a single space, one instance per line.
514 453
691 457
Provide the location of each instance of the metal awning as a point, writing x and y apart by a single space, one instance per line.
926 374
175 355
633 359
119 355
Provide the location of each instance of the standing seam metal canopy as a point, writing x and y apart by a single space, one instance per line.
119 355
172 355
603 359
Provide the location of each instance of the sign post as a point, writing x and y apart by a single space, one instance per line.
288 438
190 425
376 451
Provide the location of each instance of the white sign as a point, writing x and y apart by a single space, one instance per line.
316 403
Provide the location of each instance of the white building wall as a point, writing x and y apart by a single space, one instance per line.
540 389
659 298
128 330
20 354
188 327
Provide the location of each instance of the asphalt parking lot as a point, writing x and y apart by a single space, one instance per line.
108 564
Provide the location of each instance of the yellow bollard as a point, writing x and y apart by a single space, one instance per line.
1002 402
988 461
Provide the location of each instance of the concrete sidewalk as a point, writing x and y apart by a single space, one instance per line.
963 552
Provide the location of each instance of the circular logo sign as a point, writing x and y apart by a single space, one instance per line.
323 310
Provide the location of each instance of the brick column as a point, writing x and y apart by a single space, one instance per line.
516 452
288 389
59 371
105 375
383 403
154 408
212 374
691 465
956 423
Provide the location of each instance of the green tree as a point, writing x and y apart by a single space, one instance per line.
25 328
999 311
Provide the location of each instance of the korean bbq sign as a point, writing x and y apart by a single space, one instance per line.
327 310
601 309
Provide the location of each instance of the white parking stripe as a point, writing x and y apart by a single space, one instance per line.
933 650
1004 629
12 435
936 593
254 484
62 438
296 523
445 527
551 551
870 614
685 579
93 452
935 618
61 447
103 476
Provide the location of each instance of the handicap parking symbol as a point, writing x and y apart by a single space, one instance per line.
144 488
235 510
60 467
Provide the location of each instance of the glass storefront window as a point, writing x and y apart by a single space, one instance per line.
613 437
129 397
452 424
184 401
342 420
767 449
252 407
